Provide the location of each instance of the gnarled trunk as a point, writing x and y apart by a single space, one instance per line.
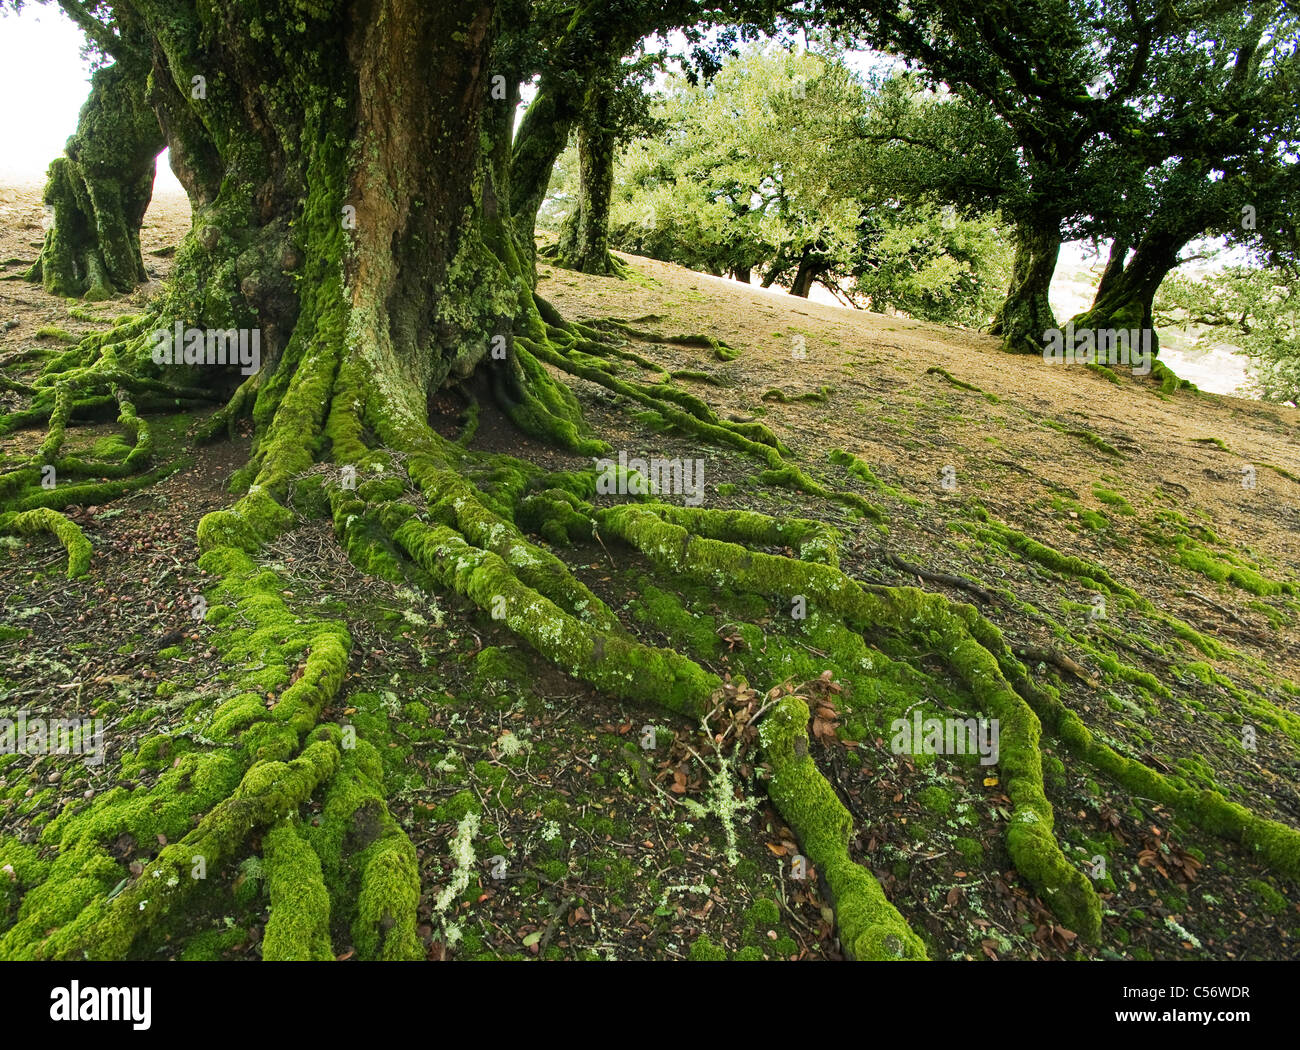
584 241
1026 314
100 189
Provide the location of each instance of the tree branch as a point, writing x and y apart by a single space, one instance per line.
96 32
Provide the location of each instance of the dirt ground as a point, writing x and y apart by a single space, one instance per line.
1191 500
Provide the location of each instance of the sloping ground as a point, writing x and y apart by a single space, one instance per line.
549 821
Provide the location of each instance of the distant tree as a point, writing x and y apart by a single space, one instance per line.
1117 109
930 263
574 49
736 184
1222 162
99 190
615 110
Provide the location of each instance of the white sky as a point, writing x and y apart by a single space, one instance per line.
43 82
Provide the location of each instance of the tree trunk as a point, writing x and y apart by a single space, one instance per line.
1125 297
1026 313
778 267
100 190
1119 249
542 137
804 276
584 242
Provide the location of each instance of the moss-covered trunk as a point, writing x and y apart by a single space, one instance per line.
1128 288
543 135
99 190
584 241
1026 313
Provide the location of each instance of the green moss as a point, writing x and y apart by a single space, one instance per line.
611 662
54 332
298 927
1269 899
211 945
936 800
959 384
764 913
704 950
1113 499
68 533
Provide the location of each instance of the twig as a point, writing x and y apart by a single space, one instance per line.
941 577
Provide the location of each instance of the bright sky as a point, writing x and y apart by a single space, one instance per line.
44 81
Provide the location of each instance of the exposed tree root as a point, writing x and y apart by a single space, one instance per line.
432 514
25 523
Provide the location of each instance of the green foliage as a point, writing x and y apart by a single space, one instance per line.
734 184
926 262
777 165
1253 309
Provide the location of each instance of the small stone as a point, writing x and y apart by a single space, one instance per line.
55 777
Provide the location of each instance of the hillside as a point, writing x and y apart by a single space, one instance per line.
1137 544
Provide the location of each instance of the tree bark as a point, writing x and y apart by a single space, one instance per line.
1119 249
1026 313
542 137
100 189
584 241
805 275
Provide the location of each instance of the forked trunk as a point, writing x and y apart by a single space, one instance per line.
1127 291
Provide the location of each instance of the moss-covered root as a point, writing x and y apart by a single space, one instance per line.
108 928
298 928
813 540
870 927
456 503
43 519
695 417
1273 843
619 665
704 341
369 863
386 906
913 614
